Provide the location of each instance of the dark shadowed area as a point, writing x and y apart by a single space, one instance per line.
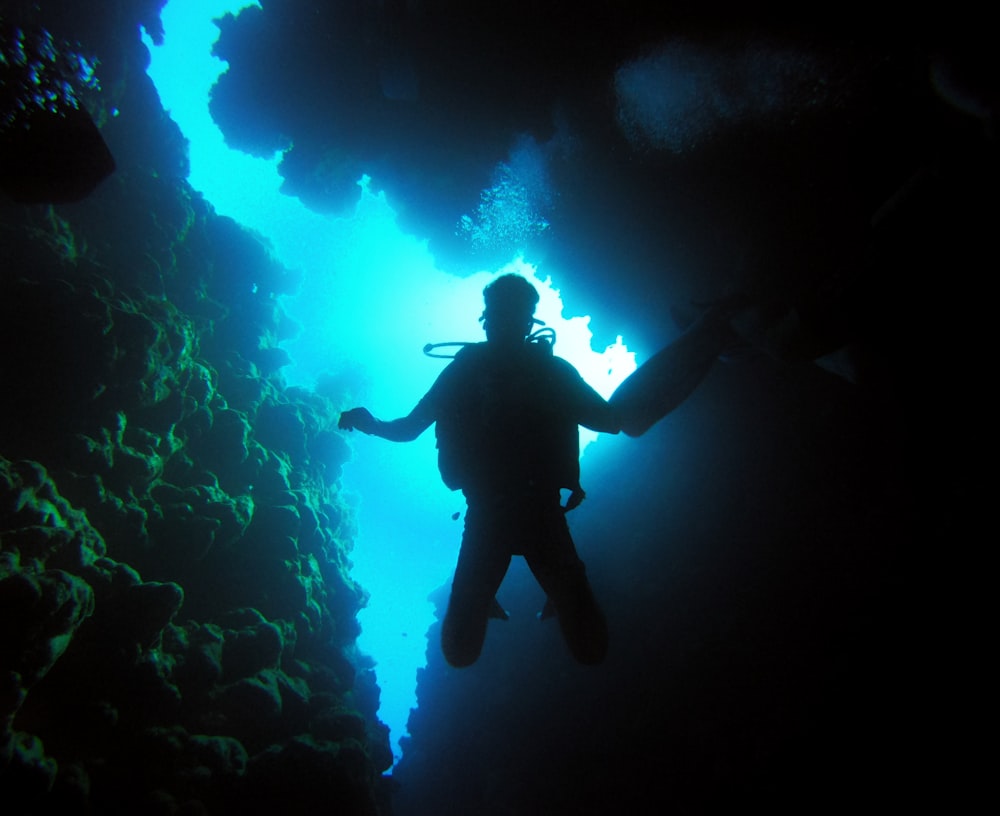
763 553
789 563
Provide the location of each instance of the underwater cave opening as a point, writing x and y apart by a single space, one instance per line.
371 297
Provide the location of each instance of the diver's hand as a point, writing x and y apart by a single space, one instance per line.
576 497
360 418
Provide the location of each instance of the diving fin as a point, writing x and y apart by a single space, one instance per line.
497 611
667 378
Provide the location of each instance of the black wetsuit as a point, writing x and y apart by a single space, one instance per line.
507 427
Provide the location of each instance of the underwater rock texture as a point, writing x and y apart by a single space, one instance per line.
789 565
716 122
177 614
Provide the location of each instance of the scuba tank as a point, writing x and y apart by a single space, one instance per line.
457 431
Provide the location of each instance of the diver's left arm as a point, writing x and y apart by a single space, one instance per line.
599 416
590 408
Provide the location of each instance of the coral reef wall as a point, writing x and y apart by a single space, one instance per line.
177 615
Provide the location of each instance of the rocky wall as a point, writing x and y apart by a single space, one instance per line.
177 614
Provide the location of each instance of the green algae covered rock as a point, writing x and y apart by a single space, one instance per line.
177 614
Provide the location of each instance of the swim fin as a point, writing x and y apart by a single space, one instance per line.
667 378
497 611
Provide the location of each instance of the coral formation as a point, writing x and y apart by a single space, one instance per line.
177 614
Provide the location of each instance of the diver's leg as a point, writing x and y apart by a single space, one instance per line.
667 378
563 577
482 563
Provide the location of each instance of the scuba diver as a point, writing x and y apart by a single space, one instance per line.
507 413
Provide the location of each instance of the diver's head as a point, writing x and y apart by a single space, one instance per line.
510 307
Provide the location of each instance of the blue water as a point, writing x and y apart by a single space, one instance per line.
371 297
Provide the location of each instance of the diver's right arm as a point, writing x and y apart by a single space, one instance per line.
408 428
404 429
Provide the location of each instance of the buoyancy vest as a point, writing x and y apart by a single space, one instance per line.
505 421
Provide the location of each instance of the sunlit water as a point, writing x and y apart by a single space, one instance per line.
371 295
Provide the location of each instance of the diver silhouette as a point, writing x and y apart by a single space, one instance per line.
507 413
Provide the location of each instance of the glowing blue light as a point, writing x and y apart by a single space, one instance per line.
373 295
